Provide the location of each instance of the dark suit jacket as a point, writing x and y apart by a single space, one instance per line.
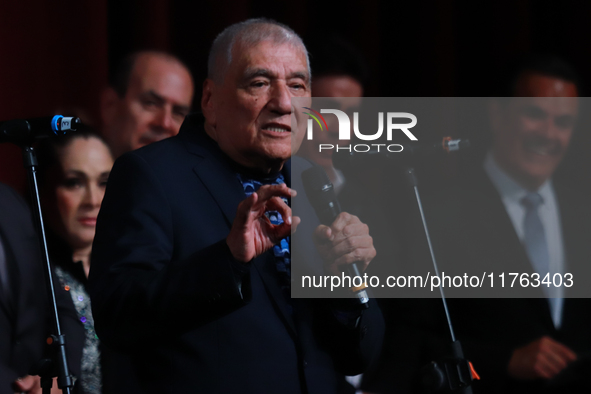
471 229
23 316
167 293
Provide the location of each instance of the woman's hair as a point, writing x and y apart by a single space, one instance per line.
47 150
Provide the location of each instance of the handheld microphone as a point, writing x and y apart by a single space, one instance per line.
406 153
323 198
25 131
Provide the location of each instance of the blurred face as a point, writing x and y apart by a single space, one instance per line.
533 130
78 190
156 102
249 114
350 92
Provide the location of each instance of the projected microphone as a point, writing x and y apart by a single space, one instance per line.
25 131
407 153
323 198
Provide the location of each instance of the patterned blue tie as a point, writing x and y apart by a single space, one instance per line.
536 247
281 251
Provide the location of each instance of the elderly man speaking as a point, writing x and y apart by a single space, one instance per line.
188 276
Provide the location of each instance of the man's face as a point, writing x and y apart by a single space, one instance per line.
249 113
156 102
347 92
533 130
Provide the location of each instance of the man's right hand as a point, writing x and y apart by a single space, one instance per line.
252 233
32 385
28 384
543 358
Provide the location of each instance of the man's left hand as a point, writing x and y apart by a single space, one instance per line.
346 241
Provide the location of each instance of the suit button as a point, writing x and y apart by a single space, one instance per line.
305 363
17 343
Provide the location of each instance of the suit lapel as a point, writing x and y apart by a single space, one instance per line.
223 186
499 219
287 172
212 167
5 303
576 231
513 247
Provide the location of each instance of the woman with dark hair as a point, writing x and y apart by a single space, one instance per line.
73 174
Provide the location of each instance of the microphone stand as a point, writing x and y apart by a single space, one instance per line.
452 374
57 365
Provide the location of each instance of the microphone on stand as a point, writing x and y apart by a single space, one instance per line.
406 153
23 131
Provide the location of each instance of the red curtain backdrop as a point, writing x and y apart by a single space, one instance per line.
55 55
54 58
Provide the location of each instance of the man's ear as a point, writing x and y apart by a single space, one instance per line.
109 101
207 105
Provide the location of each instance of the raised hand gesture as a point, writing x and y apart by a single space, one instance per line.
252 233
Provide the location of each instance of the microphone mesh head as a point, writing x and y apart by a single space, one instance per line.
321 194
318 187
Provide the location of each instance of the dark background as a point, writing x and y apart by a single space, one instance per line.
56 55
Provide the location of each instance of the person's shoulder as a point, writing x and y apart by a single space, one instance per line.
15 213
10 197
160 150
172 149
299 164
191 138
168 160
568 194
571 199
5 190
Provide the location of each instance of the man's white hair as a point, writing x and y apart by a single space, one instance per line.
248 33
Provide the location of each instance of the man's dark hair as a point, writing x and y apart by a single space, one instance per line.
332 55
119 78
47 150
534 63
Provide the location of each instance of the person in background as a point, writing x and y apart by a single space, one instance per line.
24 310
338 72
73 175
532 130
508 212
150 94
511 213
